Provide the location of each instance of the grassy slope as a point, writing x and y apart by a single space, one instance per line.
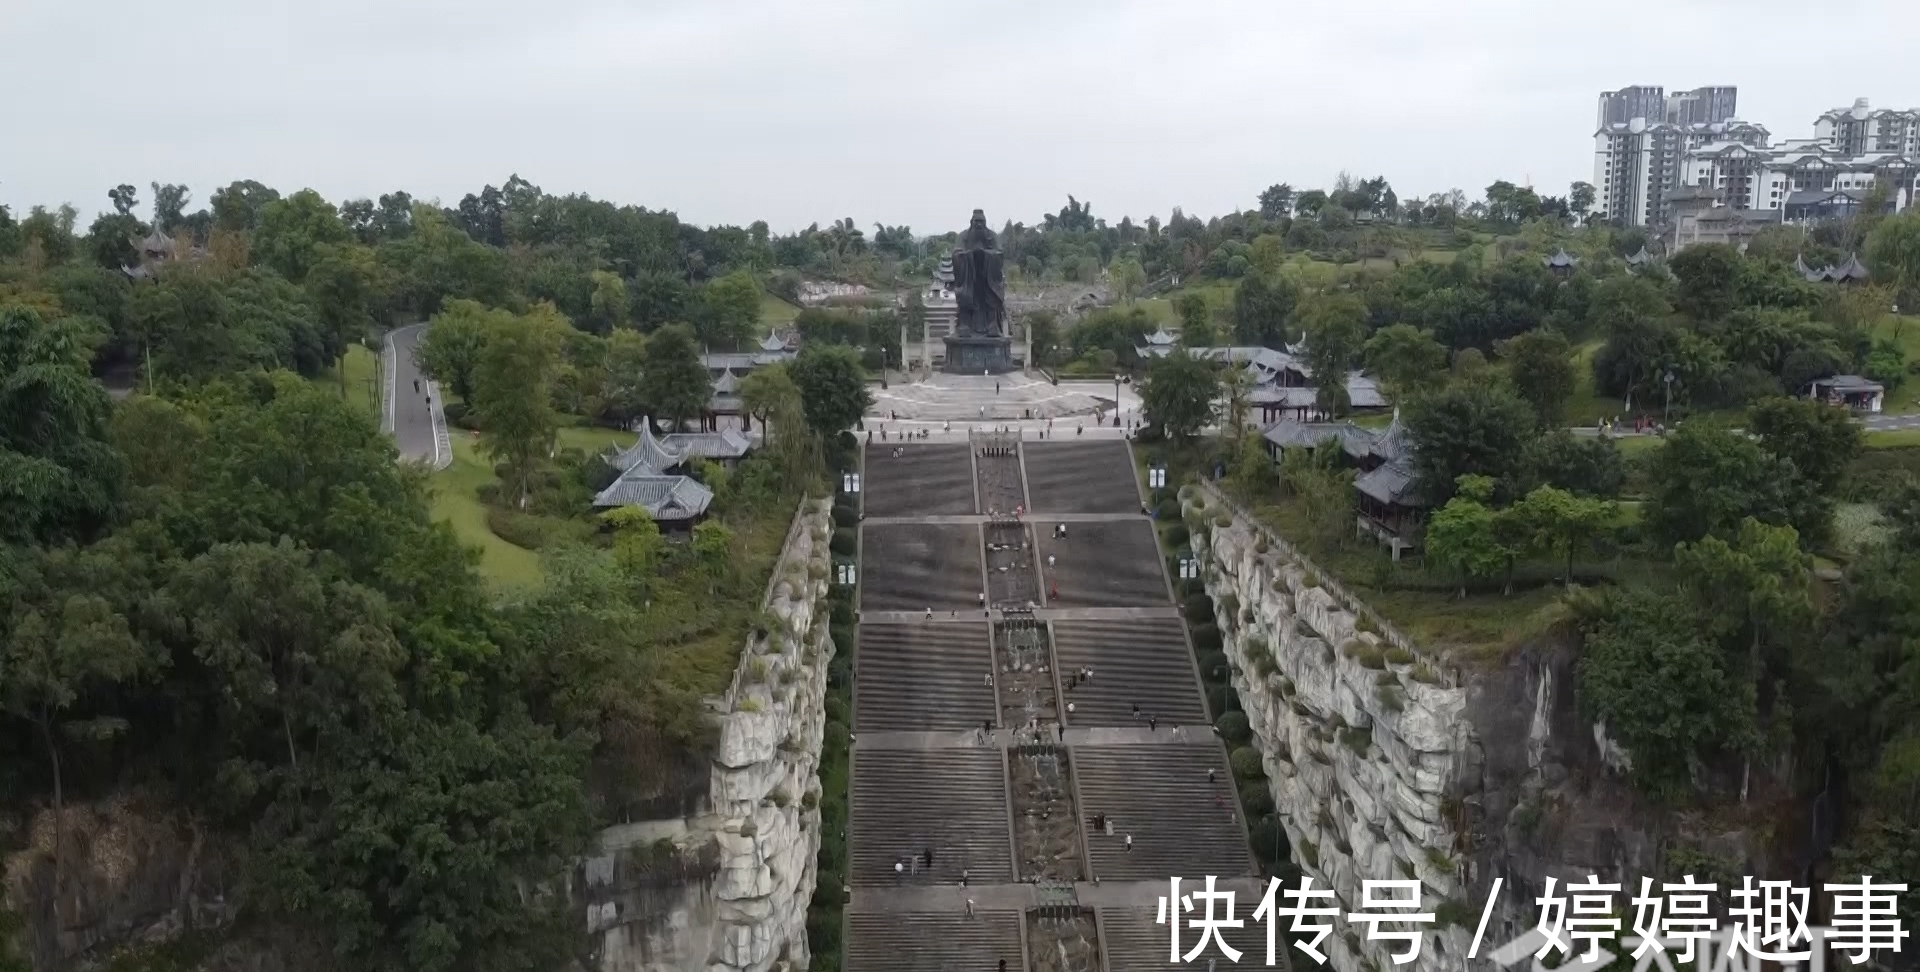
456 500
362 390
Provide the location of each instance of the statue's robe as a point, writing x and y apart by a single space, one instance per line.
980 290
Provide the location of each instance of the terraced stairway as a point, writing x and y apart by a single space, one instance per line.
923 677
1139 661
996 462
1011 582
1045 831
934 943
1136 944
1024 669
906 802
1181 824
1063 939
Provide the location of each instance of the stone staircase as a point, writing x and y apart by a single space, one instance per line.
1181 824
925 479
996 463
888 942
952 801
1140 661
1011 582
923 676
1136 944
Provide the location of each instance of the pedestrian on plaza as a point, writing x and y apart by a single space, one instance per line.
1129 843
1003 965
929 614
989 678
429 400
1153 724
1136 712
1212 775
416 386
969 907
1069 708
899 870
929 860
983 598
1061 727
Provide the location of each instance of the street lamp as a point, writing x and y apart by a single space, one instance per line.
1666 414
1116 401
1189 568
1156 476
848 574
850 482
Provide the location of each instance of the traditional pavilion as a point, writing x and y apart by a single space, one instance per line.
648 478
1561 264
1387 499
1850 272
1282 380
1850 391
1641 260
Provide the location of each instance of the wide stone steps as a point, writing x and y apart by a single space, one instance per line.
919 677
1142 662
1136 944
953 801
933 943
1081 475
925 479
915 566
1182 825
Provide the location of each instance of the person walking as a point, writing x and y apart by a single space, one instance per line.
1129 843
963 883
1069 708
1153 724
416 386
969 907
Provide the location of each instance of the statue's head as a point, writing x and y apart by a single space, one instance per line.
979 219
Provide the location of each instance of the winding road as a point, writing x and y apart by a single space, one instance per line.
413 403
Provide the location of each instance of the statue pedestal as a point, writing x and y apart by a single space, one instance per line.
972 355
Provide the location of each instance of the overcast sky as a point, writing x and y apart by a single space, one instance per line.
901 111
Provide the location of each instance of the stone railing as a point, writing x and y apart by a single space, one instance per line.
1386 629
789 555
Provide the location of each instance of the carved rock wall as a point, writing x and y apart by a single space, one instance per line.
727 890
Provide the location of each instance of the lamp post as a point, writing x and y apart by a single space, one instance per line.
1666 414
1116 401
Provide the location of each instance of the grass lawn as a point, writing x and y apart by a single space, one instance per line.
1906 398
456 500
363 387
1893 439
593 439
775 312
1588 406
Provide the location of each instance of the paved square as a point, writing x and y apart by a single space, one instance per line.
1110 564
912 567
1181 824
951 801
921 676
1094 476
924 480
1140 661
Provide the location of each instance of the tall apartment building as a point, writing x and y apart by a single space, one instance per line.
1831 175
1642 137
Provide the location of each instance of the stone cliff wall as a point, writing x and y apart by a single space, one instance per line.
727 890
1387 763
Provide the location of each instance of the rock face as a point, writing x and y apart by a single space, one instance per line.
1386 763
727 890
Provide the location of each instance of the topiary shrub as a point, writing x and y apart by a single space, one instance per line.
1169 509
1234 728
845 543
1256 800
1425 675
1220 700
1246 763
1269 841
1367 655
1206 637
1213 665
1397 655
845 515
1177 536
1199 609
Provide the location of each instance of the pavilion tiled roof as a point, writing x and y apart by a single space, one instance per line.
666 498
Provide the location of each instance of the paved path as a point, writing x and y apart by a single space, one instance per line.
418 429
1888 423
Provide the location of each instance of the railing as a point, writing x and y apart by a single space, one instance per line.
766 596
1386 629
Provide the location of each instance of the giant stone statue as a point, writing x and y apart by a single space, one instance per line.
980 341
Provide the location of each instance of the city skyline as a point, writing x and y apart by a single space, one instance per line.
755 110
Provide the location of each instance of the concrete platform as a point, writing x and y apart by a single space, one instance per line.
1081 476
924 480
959 398
1110 564
912 568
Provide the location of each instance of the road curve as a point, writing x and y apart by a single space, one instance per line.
413 403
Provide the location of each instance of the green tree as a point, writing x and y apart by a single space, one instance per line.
1562 523
1477 427
1043 330
713 548
1707 273
110 241
1821 441
611 305
626 389
1540 366
637 544
1583 466
1461 536
293 231
1663 690
1754 590
238 207
59 477
1276 201
1127 277
1407 359
833 388
1893 252
1335 327
733 310
1707 479
674 382
1178 394
1196 320
342 289
449 352
767 392
1263 310
513 390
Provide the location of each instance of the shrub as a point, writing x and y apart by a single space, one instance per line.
749 829
780 797
1309 853
1199 609
1397 655
532 532
1440 860
809 800
1246 763
1234 728
757 670
845 542
837 710
1357 740
845 515
1310 581
1213 665
1257 800
1269 841
1222 522
1369 656
1424 674
1365 623
1168 510
1206 637
1389 697
1177 536
1220 700
748 704
1455 913
1260 545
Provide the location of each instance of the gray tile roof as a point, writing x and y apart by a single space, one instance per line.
724 444
666 498
1393 483
1352 439
647 455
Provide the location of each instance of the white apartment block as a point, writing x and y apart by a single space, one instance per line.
1652 149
